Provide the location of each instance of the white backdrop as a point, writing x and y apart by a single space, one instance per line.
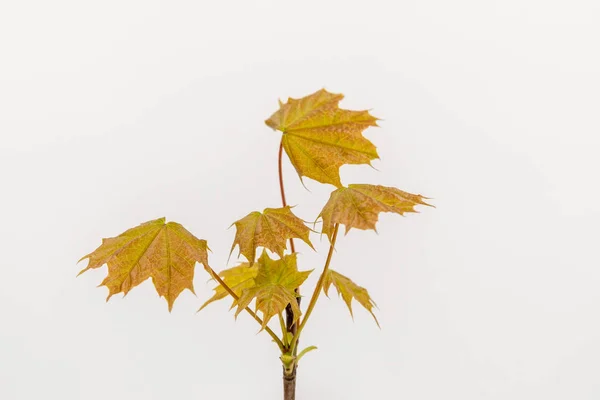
117 112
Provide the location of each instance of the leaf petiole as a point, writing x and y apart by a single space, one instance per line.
283 331
318 288
216 277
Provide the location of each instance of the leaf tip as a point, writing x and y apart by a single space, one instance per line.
376 320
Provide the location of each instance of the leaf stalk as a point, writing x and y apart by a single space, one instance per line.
252 313
291 323
317 291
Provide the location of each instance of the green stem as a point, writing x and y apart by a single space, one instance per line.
283 330
291 325
318 288
252 313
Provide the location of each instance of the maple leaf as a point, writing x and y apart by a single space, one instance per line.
349 290
358 206
319 137
270 229
237 278
274 287
165 252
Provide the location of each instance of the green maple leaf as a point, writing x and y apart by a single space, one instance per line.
349 290
237 278
270 229
319 137
274 287
358 206
165 252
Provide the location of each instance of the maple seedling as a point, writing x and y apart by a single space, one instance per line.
318 138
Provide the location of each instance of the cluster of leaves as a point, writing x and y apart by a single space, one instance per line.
318 138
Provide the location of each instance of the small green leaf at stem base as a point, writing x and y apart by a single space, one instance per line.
303 352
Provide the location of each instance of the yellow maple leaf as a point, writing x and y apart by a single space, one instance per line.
319 137
358 206
274 287
237 278
270 229
165 252
349 290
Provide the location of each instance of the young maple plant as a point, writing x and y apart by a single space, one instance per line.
318 138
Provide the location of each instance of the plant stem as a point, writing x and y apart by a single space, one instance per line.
283 330
289 313
289 386
317 292
252 313
281 188
289 380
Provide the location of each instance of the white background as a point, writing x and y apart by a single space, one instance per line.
113 113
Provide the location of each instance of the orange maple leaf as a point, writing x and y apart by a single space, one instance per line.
319 137
165 252
270 229
358 206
